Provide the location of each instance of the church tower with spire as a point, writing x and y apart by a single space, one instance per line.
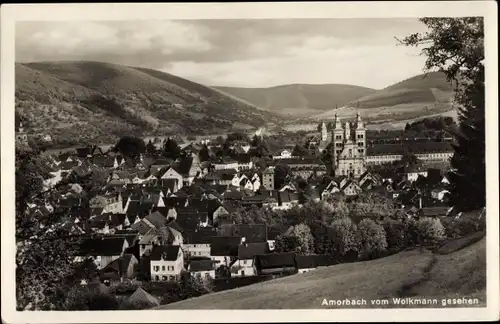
349 147
324 132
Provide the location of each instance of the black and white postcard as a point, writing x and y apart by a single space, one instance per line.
196 162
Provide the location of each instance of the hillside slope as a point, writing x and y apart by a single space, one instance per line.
417 97
418 89
407 274
93 101
299 100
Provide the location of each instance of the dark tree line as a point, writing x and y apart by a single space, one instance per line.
455 46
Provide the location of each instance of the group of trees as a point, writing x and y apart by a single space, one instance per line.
439 123
365 228
115 298
455 46
45 246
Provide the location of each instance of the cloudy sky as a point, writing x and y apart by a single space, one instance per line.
244 53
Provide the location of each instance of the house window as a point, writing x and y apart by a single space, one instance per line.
156 268
338 137
243 273
164 278
194 245
157 278
172 278
162 268
245 262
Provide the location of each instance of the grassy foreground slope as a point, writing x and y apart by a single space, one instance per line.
407 274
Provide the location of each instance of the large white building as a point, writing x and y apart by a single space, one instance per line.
352 154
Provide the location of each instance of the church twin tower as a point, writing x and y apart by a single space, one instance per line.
349 146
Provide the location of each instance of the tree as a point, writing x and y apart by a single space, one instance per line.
339 204
83 298
408 158
171 149
299 150
371 204
455 46
327 158
344 237
372 239
430 231
282 174
204 153
130 146
296 239
45 246
150 148
394 233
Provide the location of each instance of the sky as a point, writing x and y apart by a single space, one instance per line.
239 53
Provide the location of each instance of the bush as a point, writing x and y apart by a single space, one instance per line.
344 236
464 226
83 298
136 305
394 233
297 239
372 239
429 231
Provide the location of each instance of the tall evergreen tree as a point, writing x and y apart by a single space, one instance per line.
455 46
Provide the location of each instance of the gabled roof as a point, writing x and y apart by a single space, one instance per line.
253 233
190 218
201 265
103 247
275 260
286 196
157 219
120 265
165 252
168 184
183 166
225 246
314 261
142 227
434 211
202 235
250 250
204 205
140 295
232 194
166 234
136 208
103 161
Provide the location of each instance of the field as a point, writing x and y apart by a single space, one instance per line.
415 273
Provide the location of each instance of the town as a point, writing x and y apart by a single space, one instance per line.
231 213
192 164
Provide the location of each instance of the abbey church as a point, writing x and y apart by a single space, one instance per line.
349 143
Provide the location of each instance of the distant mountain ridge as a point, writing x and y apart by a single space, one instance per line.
95 101
299 100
